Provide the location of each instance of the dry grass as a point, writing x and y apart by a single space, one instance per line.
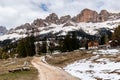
115 58
21 75
98 78
64 59
115 72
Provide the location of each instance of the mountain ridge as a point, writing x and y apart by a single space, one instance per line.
88 20
86 15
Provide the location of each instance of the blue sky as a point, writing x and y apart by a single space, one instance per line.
17 12
44 7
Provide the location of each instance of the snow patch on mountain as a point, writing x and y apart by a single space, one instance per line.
90 28
12 36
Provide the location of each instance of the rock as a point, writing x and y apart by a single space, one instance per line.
15 70
52 18
64 19
19 69
47 29
104 15
87 15
26 26
26 68
39 23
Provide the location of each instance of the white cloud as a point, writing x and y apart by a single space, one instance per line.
17 12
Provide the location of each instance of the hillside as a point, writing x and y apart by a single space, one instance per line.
101 64
52 24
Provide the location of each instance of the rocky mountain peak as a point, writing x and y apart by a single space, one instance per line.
104 12
26 26
104 15
65 19
3 30
86 10
88 15
49 25
52 18
39 23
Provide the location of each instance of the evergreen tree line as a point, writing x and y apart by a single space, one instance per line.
70 43
26 47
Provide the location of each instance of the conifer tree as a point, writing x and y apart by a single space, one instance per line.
74 41
67 43
116 34
43 48
51 47
21 48
70 42
26 47
102 40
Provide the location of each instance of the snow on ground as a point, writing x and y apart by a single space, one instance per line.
107 51
96 67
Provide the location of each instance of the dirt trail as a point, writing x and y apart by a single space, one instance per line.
48 72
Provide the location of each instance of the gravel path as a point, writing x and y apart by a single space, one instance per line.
48 72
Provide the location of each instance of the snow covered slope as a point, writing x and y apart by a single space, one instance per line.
99 67
90 28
